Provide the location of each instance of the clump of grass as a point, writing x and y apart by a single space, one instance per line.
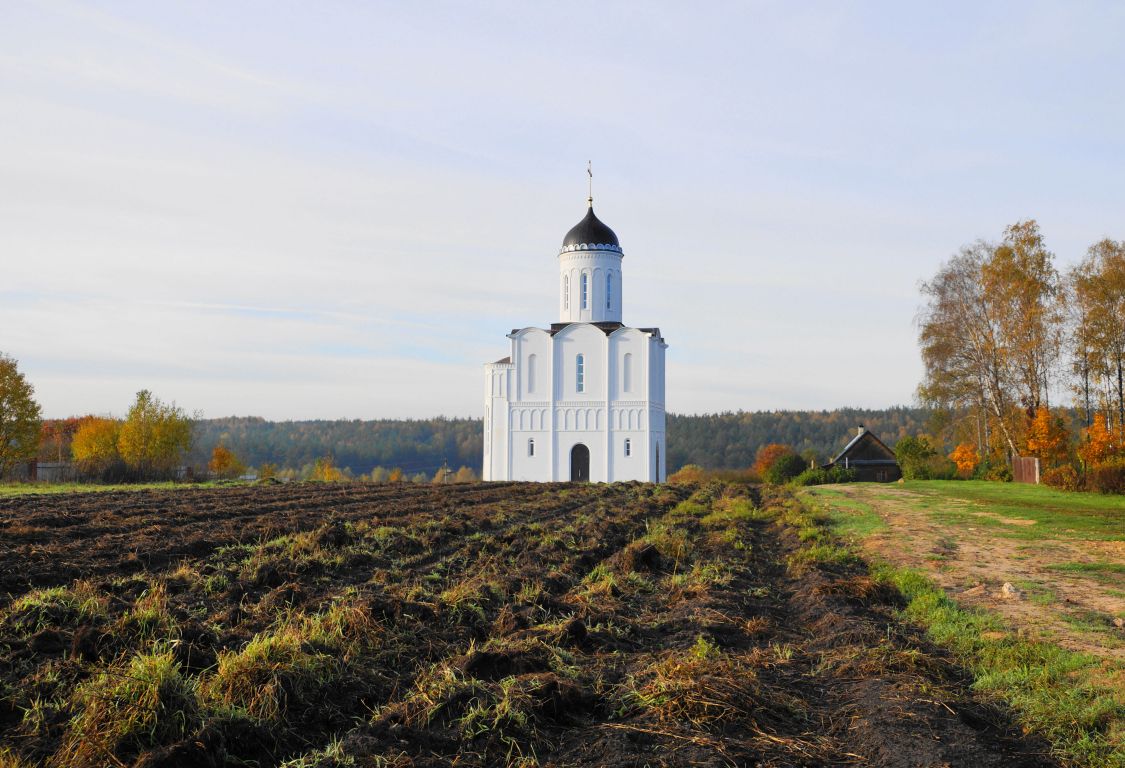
673 543
57 607
333 754
274 676
123 711
149 616
9 759
281 674
707 687
729 509
512 713
821 554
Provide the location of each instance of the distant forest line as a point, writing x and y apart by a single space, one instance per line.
720 441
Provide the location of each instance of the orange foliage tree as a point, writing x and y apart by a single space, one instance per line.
224 463
768 455
1047 438
966 458
1101 443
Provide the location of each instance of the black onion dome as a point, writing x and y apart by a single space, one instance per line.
590 231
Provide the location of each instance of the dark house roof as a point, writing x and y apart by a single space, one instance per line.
865 450
590 231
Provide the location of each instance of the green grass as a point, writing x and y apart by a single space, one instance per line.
1057 514
1105 573
850 518
24 489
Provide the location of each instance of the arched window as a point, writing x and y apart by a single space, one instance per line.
531 446
627 372
531 373
628 447
566 291
609 290
580 370
585 291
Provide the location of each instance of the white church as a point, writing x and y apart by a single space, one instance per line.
582 400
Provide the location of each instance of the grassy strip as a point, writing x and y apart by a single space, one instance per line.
37 489
1075 700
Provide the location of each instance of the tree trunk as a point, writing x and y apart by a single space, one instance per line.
1121 397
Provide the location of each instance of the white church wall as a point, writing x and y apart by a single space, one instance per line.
532 348
628 373
526 465
632 466
569 343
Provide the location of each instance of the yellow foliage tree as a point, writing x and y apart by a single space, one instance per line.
224 463
966 457
465 475
1047 438
154 436
326 471
95 443
395 476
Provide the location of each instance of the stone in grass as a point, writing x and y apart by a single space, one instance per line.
1010 592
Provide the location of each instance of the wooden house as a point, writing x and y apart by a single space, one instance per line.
870 457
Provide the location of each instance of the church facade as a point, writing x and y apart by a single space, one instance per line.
582 400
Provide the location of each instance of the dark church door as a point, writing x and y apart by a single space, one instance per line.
580 464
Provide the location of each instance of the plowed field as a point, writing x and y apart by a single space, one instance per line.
499 624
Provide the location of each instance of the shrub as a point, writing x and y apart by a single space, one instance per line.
997 471
1064 478
822 476
938 467
1108 477
689 473
784 469
920 461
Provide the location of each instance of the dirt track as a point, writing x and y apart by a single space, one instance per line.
495 624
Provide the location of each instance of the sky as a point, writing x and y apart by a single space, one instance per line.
339 209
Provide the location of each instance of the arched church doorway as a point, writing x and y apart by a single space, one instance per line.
579 464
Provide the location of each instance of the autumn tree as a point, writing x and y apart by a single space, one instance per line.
465 475
1047 438
94 445
1101 443
1024 289
154 435
990 333
224 463
20 417
56 436
768 455
325 470
966 457
1097 286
